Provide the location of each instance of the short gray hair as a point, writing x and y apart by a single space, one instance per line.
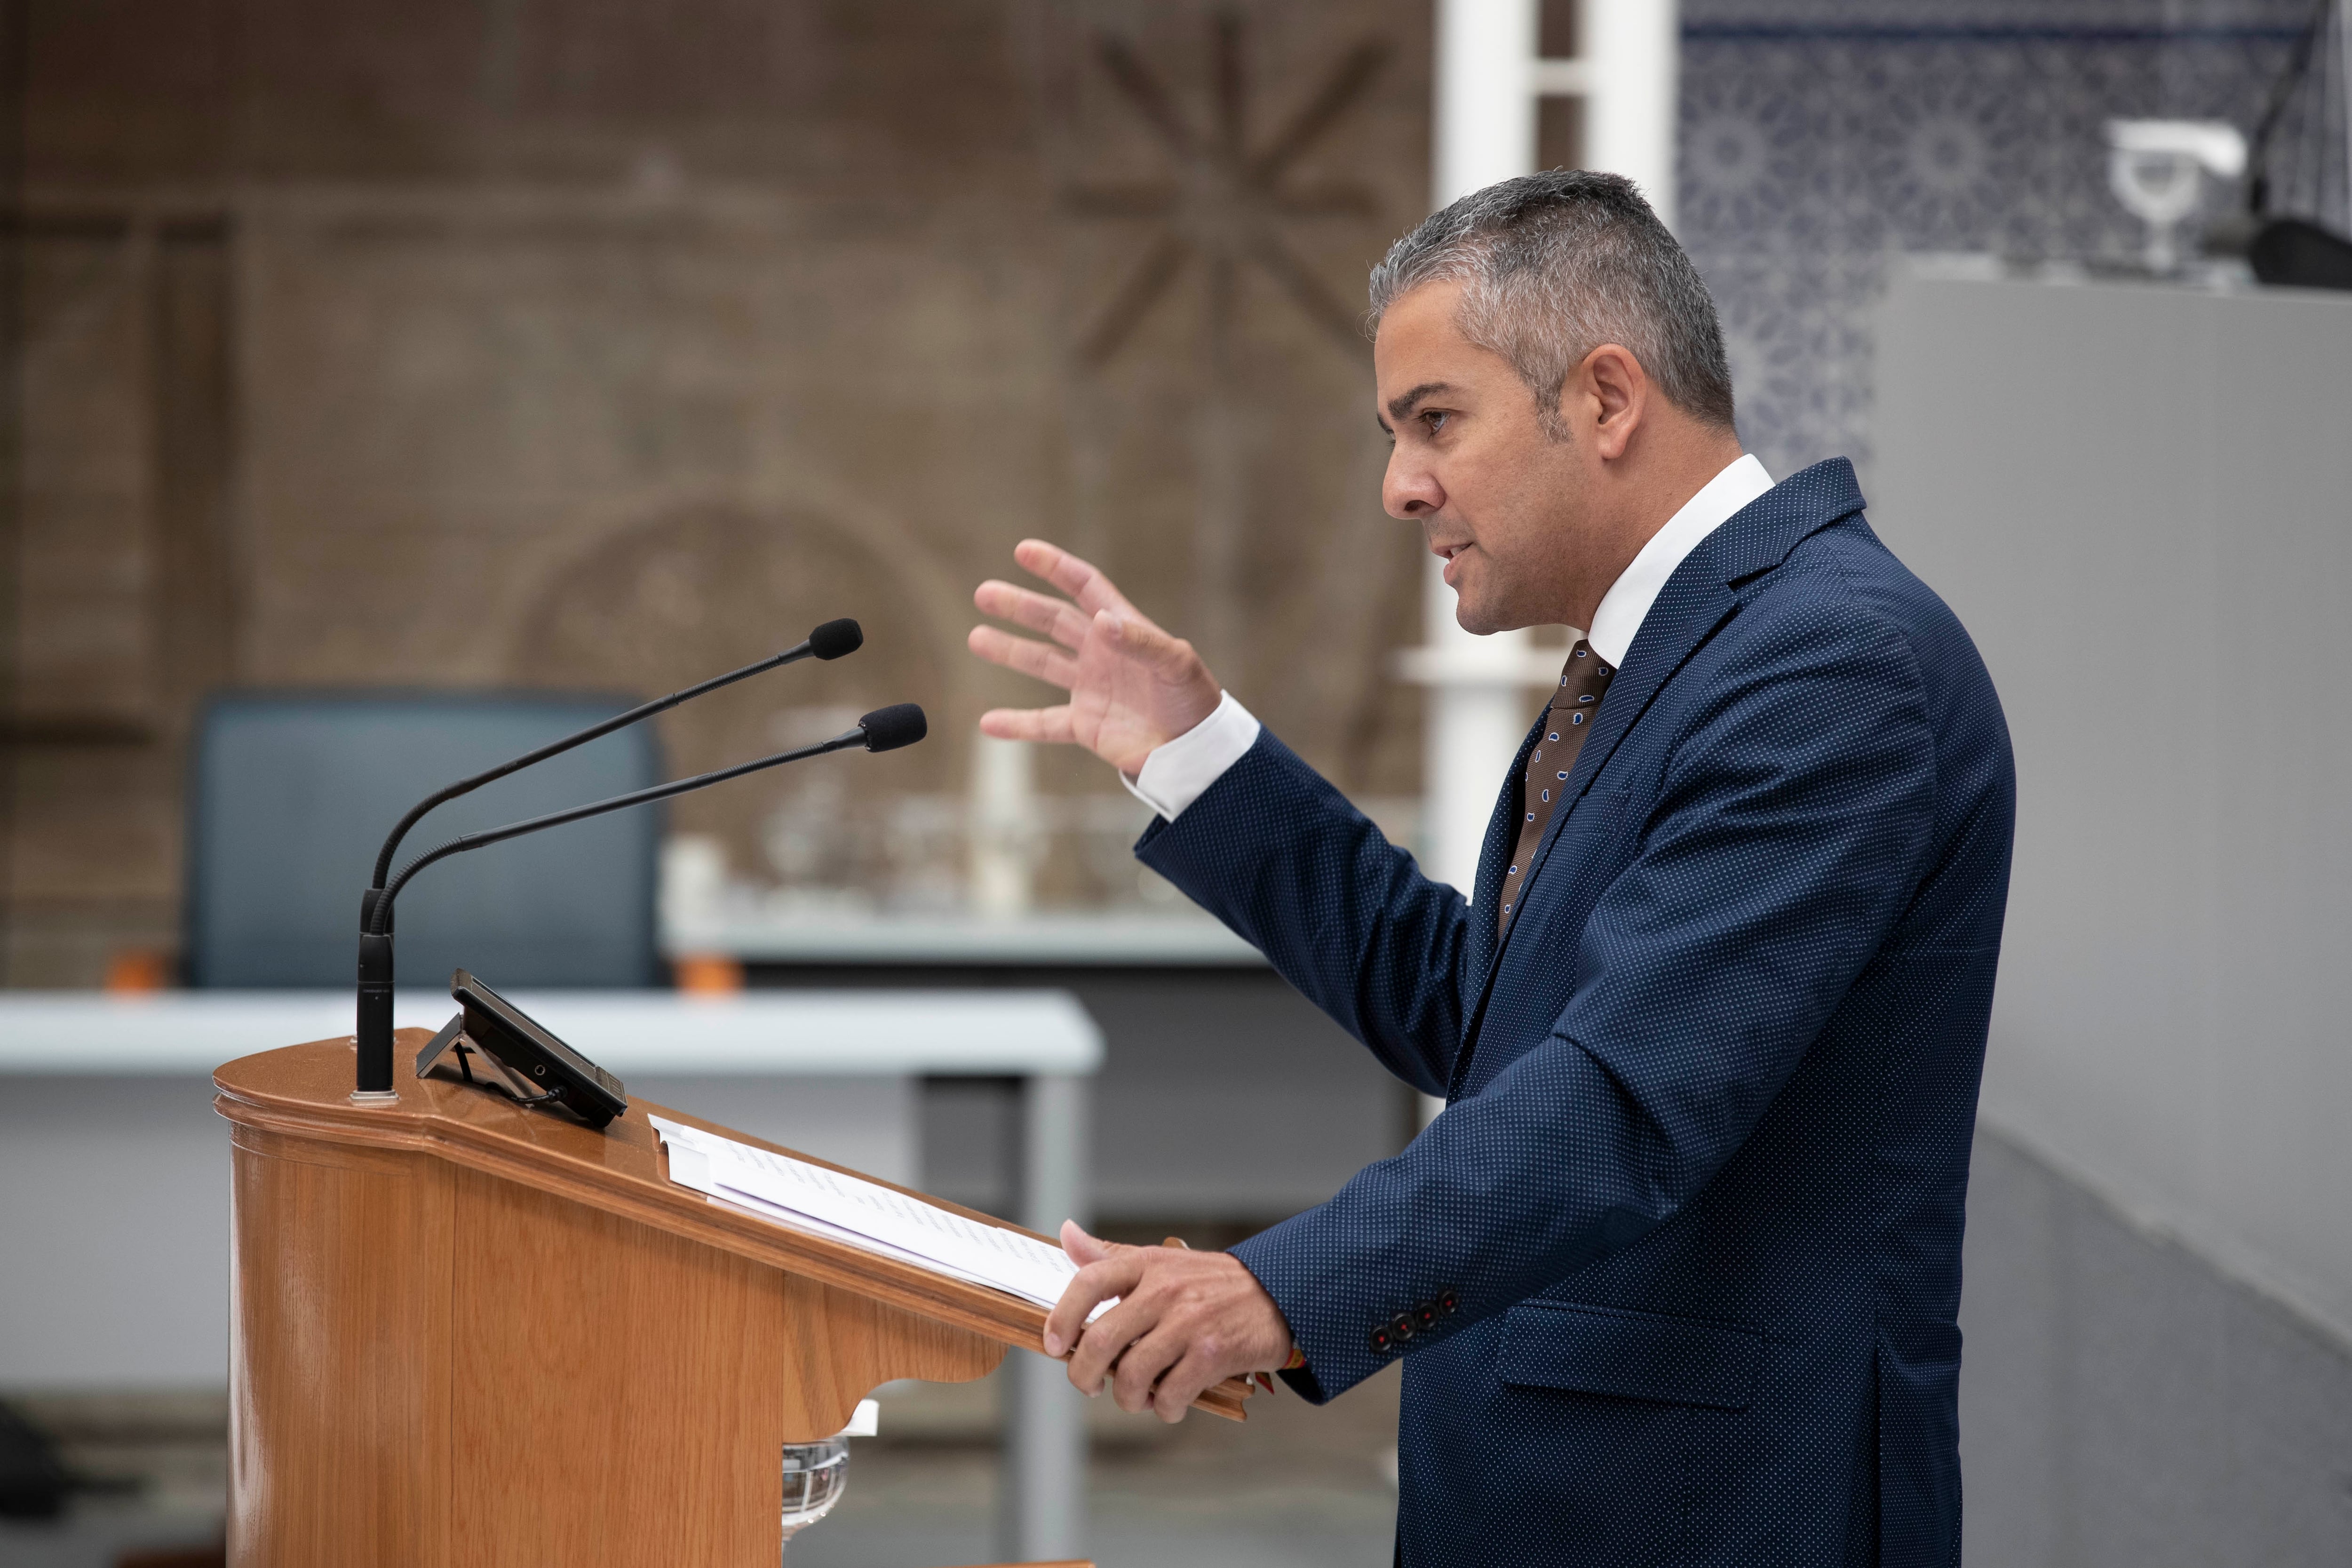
1554 265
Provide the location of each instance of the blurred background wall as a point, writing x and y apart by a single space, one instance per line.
517 343
604 346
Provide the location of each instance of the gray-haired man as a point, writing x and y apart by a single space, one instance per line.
1677 1270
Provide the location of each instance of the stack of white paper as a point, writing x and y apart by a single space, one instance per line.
849 1209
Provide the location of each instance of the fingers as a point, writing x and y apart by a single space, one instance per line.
1164 654
1141 1366
1185 1383
1101 1344
1057 618
1079 579
1024 655
1048 724
1081 1248
1067 1325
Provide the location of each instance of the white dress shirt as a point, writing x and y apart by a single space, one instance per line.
1627 603
1179 772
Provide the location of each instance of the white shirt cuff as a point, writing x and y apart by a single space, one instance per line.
1180 771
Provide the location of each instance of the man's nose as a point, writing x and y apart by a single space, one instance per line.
1408 489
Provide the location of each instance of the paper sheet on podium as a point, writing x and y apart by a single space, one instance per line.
864 1214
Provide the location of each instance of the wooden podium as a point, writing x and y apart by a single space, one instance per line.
463 1332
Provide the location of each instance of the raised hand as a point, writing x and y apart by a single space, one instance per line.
1133 687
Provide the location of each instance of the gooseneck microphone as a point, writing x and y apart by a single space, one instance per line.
831 641
884 730
887 729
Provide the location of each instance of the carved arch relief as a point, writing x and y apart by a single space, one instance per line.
698 586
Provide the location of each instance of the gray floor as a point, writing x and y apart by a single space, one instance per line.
1293 1488
2122 1405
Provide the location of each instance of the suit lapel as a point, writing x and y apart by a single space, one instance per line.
1685 615
1694 602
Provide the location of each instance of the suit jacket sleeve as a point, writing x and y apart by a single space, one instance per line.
1343 914
1785 838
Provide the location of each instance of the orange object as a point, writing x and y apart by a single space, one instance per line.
708 973
137 969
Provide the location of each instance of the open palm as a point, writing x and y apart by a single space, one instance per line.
1133 687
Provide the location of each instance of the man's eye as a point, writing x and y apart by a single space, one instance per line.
1433 419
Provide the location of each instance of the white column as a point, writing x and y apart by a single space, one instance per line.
1006 829
1485 111
1632 55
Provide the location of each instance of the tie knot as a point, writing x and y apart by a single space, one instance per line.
1584 667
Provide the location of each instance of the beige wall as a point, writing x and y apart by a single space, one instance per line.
605 345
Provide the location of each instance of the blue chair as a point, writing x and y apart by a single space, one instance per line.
290 794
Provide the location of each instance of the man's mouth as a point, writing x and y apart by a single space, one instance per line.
1450 553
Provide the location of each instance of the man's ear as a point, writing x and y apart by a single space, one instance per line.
1619 393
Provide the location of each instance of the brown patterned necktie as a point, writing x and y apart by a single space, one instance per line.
1568 719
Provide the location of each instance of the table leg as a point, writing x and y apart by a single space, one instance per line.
1042 1514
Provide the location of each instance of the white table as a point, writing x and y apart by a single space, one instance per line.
115 1234
794 1034
1045 939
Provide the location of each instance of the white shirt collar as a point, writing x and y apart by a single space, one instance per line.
1627 603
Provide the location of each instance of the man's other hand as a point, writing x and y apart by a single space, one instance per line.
1185 1321
1133 687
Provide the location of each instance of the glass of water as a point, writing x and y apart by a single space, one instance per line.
815 1474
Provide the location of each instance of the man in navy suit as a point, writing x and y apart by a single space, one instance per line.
1674 1276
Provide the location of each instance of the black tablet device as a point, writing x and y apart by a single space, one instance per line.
549 1066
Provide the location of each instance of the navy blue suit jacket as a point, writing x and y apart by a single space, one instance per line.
1674 1276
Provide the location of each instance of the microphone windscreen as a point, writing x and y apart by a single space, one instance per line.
835 638
887 729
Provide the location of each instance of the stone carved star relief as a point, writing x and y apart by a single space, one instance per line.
1221 200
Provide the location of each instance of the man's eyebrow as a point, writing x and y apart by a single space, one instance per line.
1401 404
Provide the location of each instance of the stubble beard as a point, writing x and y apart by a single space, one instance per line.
1485 610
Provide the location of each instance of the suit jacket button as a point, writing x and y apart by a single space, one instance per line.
1400 1327
1379 1341
1449 1302
1425 1315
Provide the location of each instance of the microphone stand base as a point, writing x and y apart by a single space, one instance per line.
375 1097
